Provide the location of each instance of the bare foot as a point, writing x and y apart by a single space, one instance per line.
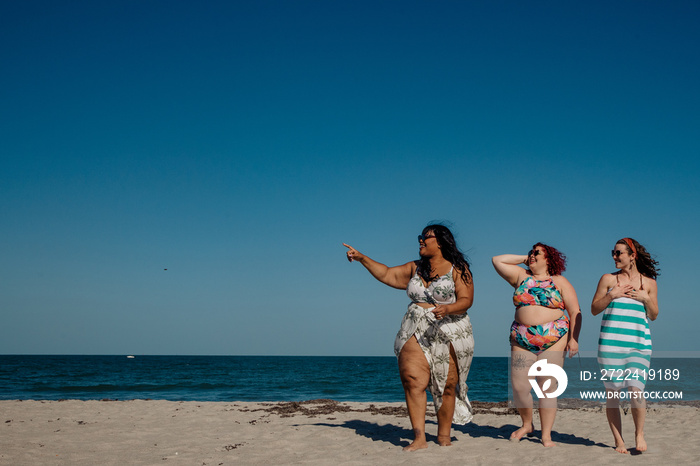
548 443
416 445
620 448
520 433
444 440
641 443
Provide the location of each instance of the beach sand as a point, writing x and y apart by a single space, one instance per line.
147 432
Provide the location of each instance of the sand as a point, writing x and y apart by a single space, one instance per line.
147 432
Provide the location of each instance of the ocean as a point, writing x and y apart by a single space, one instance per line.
272 378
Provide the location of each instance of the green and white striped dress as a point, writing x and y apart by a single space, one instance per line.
624 347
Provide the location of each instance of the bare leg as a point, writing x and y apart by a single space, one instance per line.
520 362
415 376
639 414
447 410
612 411
548 406
548 412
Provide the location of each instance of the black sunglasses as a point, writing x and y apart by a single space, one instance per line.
424 237
534 252
616 253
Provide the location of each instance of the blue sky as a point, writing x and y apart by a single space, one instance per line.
238 144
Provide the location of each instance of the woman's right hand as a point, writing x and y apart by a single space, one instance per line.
396 277
508 267
619 291
353 254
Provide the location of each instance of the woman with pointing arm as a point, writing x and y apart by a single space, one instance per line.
435 344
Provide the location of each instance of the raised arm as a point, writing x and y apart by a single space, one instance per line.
508 267
396 277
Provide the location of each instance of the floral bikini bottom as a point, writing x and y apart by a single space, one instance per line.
538 338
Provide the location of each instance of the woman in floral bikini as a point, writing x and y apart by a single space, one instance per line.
541 329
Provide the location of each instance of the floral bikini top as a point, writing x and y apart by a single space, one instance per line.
439 291
532 292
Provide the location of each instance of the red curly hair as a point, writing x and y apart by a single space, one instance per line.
556 261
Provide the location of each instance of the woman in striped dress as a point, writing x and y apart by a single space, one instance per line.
628 300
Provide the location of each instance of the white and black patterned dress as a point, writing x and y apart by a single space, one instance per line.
435 336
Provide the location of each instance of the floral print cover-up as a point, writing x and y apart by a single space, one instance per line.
435 336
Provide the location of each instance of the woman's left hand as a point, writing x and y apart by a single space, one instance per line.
572 348
440 311
640 295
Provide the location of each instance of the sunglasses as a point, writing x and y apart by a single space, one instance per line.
616 253
534 252
424 237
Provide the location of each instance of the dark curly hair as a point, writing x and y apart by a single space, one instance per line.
556 261
646 265
449 250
